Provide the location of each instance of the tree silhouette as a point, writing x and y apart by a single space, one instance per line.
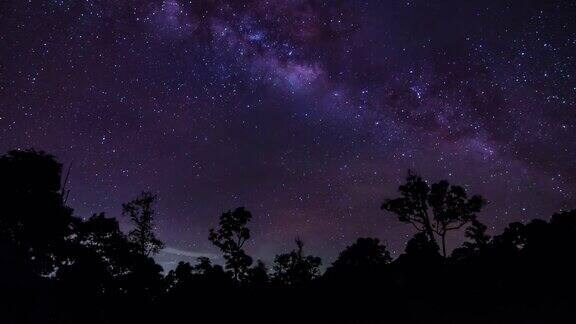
212 276
434 210
182 273
363 261
258 275
295 268
57 268
420 249
33 217
180 279
477 240
230 237
99 255
366 252
419 267
141 214
476 232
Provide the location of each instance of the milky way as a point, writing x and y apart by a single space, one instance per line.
309 113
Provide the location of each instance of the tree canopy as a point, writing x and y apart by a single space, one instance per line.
56 267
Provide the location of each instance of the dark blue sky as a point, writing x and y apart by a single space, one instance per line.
309 113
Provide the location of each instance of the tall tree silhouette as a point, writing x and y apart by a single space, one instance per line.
33 217
141 213
296 269
230 237
434 210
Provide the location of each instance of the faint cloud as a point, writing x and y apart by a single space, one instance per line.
190 254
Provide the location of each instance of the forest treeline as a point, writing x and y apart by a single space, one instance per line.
56 267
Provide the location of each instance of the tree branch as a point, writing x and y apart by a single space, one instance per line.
457 227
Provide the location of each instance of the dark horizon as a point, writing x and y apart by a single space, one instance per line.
169 257
308 113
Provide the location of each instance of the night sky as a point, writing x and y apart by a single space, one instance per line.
308 113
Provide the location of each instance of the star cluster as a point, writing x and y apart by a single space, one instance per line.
308 113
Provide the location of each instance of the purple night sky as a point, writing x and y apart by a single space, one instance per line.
308 113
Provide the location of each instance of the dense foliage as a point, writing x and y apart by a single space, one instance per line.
58 268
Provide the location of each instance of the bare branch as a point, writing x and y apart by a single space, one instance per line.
63 192
457 226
